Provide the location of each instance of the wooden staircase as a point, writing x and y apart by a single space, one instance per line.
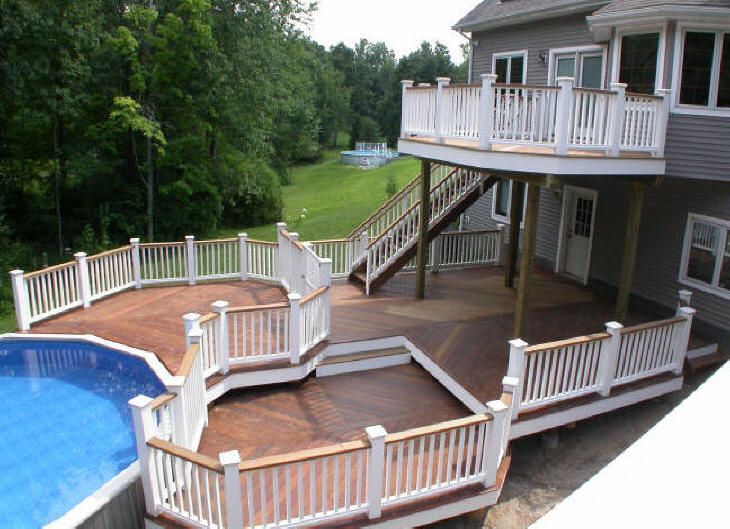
395 245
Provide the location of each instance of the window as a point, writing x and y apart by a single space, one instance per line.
705 70
503 199
638 62
510 67
585 67
706 257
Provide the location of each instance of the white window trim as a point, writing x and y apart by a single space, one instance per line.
508 54
722 242
640 30
577 50
505 219
697 110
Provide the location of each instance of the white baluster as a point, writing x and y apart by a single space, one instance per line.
562 119
222 354
234 501
190 244
82 272
616 125
608 360
376 466
144 430
20 299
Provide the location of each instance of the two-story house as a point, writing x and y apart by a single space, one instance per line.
651 216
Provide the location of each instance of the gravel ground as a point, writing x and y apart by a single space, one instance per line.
546 468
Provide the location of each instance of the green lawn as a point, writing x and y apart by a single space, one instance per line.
7 323
336 197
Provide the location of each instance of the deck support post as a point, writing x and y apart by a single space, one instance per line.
141 408
222 354
528 256
423 223
20 299
243 254
631 242
190 245
376 464
234 501
609 358
294 327
82 272
136 266
496 440
515 214
486 109
682 341
616 120
516 370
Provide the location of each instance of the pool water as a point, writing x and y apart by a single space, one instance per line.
65 427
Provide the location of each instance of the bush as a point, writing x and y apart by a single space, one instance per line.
251 192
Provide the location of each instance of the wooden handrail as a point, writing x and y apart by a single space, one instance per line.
211 241
527 86
257 308
264 243
188 359
49 269
108 253
188 455
315 294
647 96
652 325
298 244
469 232
578 340
331 241
594 90
208 317
429 87
303 455
160 244
437 428
464 85
160 401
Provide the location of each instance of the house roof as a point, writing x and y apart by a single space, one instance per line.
620 6
494 13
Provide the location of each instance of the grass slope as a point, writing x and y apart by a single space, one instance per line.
336 197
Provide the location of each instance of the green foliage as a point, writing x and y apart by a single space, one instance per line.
391 186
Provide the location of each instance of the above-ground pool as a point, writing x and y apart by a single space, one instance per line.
367 158
65 427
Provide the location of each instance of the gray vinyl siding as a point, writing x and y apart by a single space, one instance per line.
535 37
698 147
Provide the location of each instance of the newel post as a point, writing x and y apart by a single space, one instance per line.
190 244
136 262
608 361
563 114
405 107
682 343
685 299
234 500
441 83
616 124
283 254
191 321
486 111
82 272
516 369
325 272
221 308
294 327
662 120
141 408
376 466
20 299
243 254
495 440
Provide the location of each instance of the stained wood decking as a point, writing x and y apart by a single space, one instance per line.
321 412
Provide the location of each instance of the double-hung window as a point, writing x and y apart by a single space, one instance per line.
503 199
706 255
704 73
510 67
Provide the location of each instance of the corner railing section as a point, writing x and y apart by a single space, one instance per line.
321 484
598 363
561 118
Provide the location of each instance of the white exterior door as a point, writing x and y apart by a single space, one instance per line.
579 220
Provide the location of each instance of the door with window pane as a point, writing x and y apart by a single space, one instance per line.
585 68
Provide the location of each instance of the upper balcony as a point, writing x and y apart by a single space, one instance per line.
536 129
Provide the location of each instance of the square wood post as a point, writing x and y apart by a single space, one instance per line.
222 354
82 273
515 211
136 263
486 111
405 104
243 255
234 500
495 440
609 358
563 114
422 255
616 119
143 432
682 341
20 299
631 242
190 245
376 466
528 256
516 370
295 332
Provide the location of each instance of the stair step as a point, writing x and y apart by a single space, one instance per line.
707 361
358 277
364 361
365 355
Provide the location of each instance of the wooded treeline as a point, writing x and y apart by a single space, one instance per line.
160 118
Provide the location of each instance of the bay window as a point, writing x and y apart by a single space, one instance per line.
638 62
705 69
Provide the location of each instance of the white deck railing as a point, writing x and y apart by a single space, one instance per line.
110 272
557 371
463 249
311 486
563 118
